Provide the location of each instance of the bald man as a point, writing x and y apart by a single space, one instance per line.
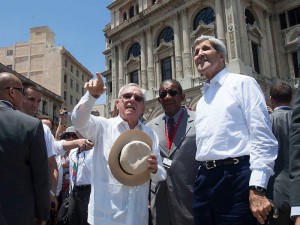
24 176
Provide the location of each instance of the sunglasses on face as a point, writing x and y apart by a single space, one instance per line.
128 96
172 93
71 135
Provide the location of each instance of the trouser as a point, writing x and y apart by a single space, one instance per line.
221 195
78 205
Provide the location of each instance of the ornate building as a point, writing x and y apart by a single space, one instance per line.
148 41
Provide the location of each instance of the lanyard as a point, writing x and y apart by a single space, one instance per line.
170 139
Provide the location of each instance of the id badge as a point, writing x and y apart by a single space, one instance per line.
167 162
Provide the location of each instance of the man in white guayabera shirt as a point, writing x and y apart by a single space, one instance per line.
112 202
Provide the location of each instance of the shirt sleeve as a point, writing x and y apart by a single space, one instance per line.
49 141
264 146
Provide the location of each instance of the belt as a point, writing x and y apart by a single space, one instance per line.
81 187
221 162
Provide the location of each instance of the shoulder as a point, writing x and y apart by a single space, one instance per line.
155 120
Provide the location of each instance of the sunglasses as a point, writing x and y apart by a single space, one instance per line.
172 93
22 90
71 135
128 96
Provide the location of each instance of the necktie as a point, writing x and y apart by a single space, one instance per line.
171 128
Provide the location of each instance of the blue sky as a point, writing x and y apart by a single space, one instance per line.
77 25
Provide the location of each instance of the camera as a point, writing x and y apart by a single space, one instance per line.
68 113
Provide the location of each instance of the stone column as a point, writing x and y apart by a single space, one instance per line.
120 64
187 60
270 46
178 59
113 72
144 80
150 68
219 20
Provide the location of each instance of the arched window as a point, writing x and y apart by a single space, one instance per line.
137 9
134 50
131 12
124 16
166 34
250 19
206 16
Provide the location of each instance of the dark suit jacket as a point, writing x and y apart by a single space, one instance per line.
24 175
295 153
279 184
171 200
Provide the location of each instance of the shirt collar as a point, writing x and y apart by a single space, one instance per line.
7 103
121 121
283 107
218 78
176 116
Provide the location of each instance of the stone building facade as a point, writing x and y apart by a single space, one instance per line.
148 41
50 66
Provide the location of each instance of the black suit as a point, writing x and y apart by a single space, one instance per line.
279 184
24 175
171 200
295 153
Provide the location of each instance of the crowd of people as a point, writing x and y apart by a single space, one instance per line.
232 161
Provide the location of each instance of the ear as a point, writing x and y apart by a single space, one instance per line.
159 99
117 104
182 96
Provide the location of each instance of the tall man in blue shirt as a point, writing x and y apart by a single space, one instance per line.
235 143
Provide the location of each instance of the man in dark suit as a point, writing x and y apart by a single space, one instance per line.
279 184
24 176
294 160
171 200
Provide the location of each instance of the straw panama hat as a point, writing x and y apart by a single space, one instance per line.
128 157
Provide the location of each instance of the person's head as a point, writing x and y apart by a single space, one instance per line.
32 99
47 121
130 103
69 135
11 89
170 96
281 95
209 55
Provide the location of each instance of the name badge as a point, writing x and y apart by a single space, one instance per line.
167 162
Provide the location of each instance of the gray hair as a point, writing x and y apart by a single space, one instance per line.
130 85
216 43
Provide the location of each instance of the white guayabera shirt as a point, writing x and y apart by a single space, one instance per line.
111 202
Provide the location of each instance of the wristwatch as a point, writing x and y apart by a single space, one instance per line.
257 188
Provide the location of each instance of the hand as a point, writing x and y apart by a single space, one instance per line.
85 144
259 205
95 87
152 166
297 221
53 202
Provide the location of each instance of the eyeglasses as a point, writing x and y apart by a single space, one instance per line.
128 96
172 93
22 90
71 135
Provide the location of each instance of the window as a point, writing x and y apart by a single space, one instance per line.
82 91
77 73
134 50
77 87
71 83
110 64
166 69
65 95
82 77
109 87
255 57
294 16
65 78
131 12
249 17
72 68
77 101
166 34
134 77
295 63
283 22
44 108
206 16
9 52
66 63
124 16
71 99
